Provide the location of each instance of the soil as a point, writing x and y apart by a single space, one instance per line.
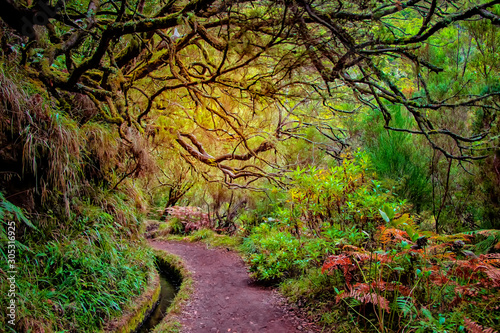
226 299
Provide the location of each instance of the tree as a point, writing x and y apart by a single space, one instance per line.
242 77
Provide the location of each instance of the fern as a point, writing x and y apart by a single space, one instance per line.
406 305
470 269
341 261
388 235
405 222
492 259
360 293
474 327
491 242
390 286
7 209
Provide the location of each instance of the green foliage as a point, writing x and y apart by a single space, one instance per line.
322 211
396 156
279 253
172 226
78 258
378 266
79 283
10 212
344 195
73 166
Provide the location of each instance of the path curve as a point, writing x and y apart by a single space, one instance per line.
225 299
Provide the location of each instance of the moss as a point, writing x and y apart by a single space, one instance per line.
173 226
206 236
144 304
170 322
133 318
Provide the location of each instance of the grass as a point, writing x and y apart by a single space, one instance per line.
78 284
135 312
211 238
79 259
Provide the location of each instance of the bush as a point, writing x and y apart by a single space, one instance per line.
187 219
322 211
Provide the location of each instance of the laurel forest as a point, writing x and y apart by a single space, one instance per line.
349 150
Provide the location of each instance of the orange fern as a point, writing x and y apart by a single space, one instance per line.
361 293
474 327
470 269
382 286
388 235
492 259
341 261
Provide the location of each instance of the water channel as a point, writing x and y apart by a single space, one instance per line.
169 287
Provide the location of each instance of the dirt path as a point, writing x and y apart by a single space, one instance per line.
225 300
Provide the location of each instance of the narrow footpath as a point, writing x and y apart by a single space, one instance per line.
225 299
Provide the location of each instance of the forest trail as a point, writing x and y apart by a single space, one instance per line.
225 298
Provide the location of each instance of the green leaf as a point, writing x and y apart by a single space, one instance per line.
384 216
427 313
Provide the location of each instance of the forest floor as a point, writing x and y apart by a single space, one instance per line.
226 299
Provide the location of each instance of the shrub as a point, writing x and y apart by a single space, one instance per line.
414 278
191 218
322 211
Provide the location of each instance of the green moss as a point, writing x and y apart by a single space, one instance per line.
140 308
174 264
207 236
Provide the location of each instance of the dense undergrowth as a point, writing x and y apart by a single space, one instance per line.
345 249
76 284
78 259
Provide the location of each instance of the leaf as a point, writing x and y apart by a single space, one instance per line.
474 327
427 313
384 216
405 305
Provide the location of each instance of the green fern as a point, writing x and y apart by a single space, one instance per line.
492 238
11 211
406 306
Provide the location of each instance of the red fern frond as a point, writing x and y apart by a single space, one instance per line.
492 259
359 256
439 278
467 269
362 287
336 262
467 290
365 297
390 286
474 327
341 261
494 274
388 235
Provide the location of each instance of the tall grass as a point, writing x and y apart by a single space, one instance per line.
77 284
79 258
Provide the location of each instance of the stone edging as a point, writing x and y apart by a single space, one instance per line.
176 266
143 305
